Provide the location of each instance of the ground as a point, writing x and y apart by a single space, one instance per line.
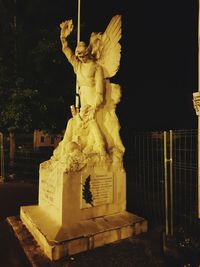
145 250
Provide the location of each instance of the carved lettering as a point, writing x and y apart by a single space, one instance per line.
48 191
101 188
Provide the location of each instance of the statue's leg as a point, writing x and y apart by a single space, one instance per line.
98 137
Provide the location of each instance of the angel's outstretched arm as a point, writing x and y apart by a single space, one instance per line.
66 29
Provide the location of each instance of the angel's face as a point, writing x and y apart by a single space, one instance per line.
82 52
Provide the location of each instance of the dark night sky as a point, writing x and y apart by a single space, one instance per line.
158 71
163 51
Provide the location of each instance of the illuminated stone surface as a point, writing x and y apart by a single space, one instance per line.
62 194
82 188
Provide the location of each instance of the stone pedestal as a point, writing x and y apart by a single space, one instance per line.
124 252
80 211
82 189
83 195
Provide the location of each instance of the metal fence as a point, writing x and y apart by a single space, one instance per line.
2 174
25 165
146 185
185 178
145 177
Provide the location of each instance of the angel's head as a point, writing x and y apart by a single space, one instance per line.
83 52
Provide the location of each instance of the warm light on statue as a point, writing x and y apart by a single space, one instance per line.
95 128
82 187
196 102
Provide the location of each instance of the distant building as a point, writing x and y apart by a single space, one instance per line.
42 139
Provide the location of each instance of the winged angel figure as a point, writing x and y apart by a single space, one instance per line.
93 132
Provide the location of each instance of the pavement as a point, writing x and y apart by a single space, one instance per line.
134 252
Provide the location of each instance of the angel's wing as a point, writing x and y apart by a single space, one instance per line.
106 47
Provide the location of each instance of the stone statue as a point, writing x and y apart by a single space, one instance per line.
82 187
92 134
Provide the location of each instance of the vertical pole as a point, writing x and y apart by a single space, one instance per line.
2 176
78 23
166 185
171 185
196 101
15 25
78 40
198 116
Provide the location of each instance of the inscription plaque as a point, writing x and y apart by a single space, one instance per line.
48 190
100 190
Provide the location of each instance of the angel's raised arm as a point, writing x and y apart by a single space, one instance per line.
66 29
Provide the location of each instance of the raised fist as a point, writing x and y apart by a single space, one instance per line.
66 28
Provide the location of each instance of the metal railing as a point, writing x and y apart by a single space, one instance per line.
162 180
2 171
144 163
185 178
26 160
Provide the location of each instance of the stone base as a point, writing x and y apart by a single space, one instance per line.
61 241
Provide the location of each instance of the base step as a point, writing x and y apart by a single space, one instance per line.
98 232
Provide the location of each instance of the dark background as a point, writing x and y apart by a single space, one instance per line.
158 71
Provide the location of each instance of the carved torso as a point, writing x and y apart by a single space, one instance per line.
86 74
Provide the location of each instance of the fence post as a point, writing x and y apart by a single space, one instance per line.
2 173
171 182
166 185
169 241
168 139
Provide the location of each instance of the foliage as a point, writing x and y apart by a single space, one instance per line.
87 194
19 108
36 82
